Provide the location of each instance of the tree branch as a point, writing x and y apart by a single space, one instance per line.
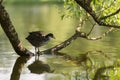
100 37
93 14
11 33
61 45
91 29
112 14
77 34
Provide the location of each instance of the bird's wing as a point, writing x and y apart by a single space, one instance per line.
39 33
36 36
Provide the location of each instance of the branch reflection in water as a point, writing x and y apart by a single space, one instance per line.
18 66
88 69
91 68
36 67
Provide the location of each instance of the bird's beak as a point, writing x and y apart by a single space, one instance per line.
53 37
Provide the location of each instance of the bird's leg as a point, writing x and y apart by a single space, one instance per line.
38 50
35 53
38 53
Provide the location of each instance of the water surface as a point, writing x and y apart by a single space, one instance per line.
46 17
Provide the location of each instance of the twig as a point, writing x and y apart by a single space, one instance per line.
105 8
74 37
100 37
112 14
91 29
82 21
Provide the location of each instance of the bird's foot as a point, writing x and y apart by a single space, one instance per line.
39 53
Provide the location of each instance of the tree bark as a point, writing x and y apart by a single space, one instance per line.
11 33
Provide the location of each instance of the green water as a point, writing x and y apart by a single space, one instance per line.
46 17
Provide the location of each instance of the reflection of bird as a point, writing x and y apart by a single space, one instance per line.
38 67
38 38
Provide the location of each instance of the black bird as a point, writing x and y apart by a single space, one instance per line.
38 38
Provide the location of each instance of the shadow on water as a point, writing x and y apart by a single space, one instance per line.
88 68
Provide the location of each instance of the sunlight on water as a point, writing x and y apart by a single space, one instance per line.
45 76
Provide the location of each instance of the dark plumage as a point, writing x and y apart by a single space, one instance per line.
38 38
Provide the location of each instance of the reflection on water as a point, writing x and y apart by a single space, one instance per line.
17 69
62 69
39 67
46 17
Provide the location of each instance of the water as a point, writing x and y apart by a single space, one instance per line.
46 17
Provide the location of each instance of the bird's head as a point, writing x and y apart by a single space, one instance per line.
50 35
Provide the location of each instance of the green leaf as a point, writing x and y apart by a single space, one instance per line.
94 2
62 16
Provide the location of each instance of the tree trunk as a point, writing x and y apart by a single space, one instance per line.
11 33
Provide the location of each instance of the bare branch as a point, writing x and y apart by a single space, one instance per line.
100 37
61 45
91 29
77 34
82 21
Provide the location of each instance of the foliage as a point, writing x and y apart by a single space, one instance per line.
105 7
99 70
72 10
101 8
